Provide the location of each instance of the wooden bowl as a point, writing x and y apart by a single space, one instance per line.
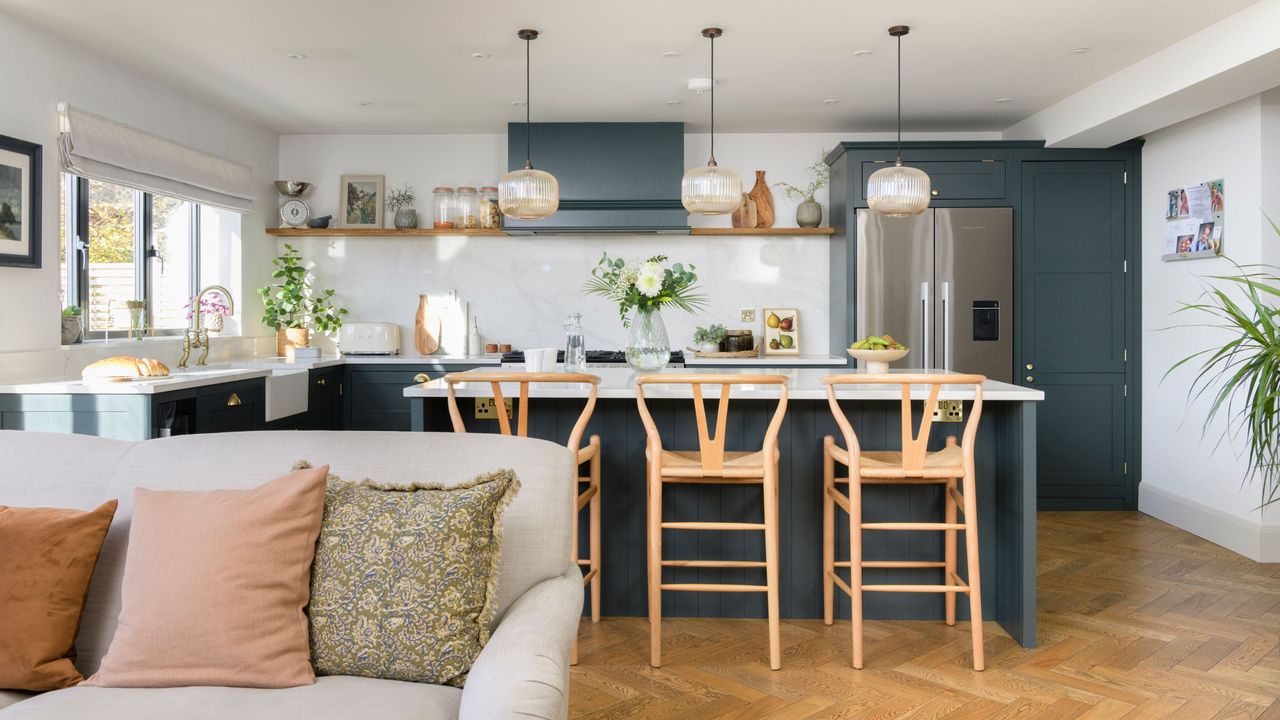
877 361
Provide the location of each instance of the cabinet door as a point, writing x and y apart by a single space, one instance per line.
953 179
324 402
1073 325
231 407
374 399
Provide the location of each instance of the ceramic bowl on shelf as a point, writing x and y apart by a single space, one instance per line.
320 222
877 361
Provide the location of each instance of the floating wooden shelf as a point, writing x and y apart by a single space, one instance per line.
776 232
431 232
376 232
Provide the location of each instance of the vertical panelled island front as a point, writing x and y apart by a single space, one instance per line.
1006 488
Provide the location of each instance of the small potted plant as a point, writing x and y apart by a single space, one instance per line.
213 309
293 307
708 339
72 325
400 202
809 211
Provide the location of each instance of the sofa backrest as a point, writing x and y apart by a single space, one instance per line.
80 471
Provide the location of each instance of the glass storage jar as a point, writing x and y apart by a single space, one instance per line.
442 208
467 202
490 215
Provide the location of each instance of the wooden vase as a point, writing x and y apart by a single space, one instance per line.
745 215
291 338
763 198
424 340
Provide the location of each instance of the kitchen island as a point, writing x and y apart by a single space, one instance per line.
1006 463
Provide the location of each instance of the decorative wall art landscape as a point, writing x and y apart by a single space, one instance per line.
19 203
361 202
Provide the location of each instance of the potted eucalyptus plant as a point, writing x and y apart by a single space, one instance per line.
1241 375
809 211
293 307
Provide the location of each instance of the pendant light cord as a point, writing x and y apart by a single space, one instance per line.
899 99
528 126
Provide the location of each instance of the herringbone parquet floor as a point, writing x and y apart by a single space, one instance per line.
1138 620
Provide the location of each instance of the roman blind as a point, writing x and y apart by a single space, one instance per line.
102 149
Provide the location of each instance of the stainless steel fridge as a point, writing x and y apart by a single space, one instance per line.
940 283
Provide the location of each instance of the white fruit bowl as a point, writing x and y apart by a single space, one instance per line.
877 361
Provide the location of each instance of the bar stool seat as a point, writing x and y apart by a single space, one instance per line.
736 465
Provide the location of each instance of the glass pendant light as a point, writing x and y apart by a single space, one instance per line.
711 189
898 191
528 194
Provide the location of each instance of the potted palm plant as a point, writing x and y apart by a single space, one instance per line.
1241 376
293 307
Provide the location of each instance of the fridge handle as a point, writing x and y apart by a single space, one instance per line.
945 295
924 324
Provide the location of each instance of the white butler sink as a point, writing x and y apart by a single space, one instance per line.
287 390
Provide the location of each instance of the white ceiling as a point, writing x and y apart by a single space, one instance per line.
601 59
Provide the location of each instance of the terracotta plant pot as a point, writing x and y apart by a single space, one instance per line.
291 337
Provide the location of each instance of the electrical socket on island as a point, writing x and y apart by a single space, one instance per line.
487 409
747 315
949 411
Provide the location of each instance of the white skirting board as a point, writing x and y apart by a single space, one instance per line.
1247 537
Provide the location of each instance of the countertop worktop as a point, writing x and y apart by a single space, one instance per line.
804 384
828 361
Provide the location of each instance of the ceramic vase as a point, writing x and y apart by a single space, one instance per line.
648 348
763 198
71 330
406 219
808 214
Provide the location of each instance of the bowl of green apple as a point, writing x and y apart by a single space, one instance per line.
877 351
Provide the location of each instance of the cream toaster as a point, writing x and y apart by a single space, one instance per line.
378 338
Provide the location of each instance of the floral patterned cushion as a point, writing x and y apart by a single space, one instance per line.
404 583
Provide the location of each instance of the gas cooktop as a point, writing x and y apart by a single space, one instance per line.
595 358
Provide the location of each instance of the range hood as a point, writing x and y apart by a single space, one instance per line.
614 177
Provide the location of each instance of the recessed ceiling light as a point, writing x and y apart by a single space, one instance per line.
366 103
1080 51
673 102
518 103
830 101
296 56
861 53
1003 100
671 54
480 55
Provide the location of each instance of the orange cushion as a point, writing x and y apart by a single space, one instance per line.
46 559
214 587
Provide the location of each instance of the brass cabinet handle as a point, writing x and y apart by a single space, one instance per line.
421 378
1030 379
233 401
320 381
1030 366
933 193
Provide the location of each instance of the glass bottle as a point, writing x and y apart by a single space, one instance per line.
467 202
442 212
575 345
490 215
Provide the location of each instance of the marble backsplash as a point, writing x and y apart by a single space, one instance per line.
521 288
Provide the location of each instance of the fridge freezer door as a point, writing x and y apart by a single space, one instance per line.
895 282
974 302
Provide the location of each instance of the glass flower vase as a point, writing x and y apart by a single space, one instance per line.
648 348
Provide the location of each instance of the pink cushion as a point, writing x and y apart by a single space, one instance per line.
214 587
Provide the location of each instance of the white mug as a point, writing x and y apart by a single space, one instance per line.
540 359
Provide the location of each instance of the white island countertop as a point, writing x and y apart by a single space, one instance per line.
827 361
803 384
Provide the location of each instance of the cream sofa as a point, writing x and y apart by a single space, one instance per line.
522 673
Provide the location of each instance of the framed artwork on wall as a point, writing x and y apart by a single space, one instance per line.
360 205
781 331
1195 221
19 203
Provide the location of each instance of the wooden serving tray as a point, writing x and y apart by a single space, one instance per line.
738 354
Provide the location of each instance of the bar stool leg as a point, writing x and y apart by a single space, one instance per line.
573 648
828 531
594 510
975 577
655 565
771 563
950 555
855 565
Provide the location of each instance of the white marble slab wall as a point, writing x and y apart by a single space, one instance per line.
522 288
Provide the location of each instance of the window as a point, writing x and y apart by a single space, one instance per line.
121 244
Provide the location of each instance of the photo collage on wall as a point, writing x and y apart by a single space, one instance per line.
1194 222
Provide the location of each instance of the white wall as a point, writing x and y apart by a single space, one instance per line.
42 70
521 287
1183 480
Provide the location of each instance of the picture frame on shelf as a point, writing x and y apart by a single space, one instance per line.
781 331
20 214
360 202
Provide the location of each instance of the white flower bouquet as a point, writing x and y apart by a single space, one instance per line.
645 286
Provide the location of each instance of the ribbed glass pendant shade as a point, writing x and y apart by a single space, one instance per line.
528 194
898 191
711 190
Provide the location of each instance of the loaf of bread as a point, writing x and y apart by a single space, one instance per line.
124 366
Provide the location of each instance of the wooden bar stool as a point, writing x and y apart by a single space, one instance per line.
914 465
588 496
712 464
